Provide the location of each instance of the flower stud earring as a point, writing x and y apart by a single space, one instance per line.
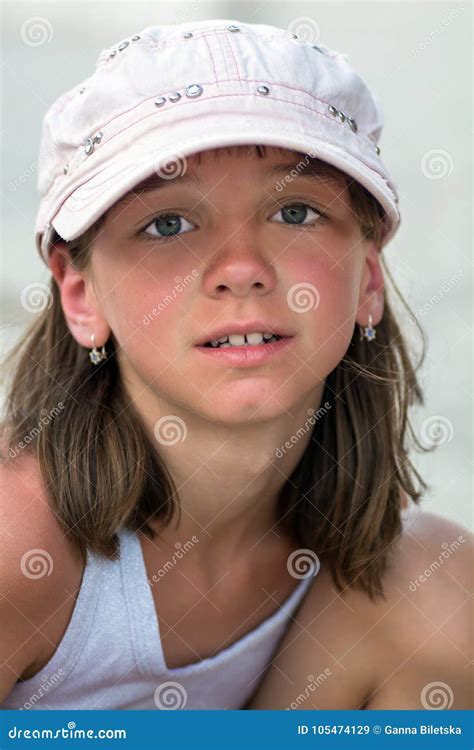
367 332
94 355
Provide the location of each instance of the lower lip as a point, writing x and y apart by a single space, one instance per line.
246 356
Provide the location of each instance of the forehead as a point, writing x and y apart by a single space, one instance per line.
275 169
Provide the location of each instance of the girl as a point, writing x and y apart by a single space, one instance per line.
177 516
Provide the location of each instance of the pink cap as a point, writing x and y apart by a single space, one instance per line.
170 91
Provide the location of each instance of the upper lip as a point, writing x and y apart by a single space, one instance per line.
241 327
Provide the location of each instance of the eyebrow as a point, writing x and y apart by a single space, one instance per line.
314 172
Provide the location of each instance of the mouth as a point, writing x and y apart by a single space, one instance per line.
243 340
245 350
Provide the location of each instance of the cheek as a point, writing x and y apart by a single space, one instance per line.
142 310
324 294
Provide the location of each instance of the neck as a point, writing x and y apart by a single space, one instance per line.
228 477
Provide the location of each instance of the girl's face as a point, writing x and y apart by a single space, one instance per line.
230 241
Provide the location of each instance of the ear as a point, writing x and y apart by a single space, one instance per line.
80 305
371 293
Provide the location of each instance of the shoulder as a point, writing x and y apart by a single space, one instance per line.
345 651
38 570
421 633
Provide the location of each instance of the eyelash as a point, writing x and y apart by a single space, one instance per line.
321 217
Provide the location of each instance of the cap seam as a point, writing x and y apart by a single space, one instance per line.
221 31
212 60
103 126
360 137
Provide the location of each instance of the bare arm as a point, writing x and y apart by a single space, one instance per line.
35 571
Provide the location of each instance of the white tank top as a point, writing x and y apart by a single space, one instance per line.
111 656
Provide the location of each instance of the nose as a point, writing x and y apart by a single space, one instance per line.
239 271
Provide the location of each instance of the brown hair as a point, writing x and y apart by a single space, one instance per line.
100 470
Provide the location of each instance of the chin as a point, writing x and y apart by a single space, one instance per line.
252 408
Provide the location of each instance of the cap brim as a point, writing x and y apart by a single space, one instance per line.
120 175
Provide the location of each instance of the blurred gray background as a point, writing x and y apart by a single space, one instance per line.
417 58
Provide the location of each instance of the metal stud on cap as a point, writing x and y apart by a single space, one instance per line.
377 149
194 89
187 35
332 110
352 124
160 101
135 38
263 90
175 96
123 45
233 28
341 115
90 143
89 146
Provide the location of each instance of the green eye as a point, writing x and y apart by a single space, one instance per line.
167 226
296 213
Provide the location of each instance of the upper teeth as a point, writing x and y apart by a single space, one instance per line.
237 339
